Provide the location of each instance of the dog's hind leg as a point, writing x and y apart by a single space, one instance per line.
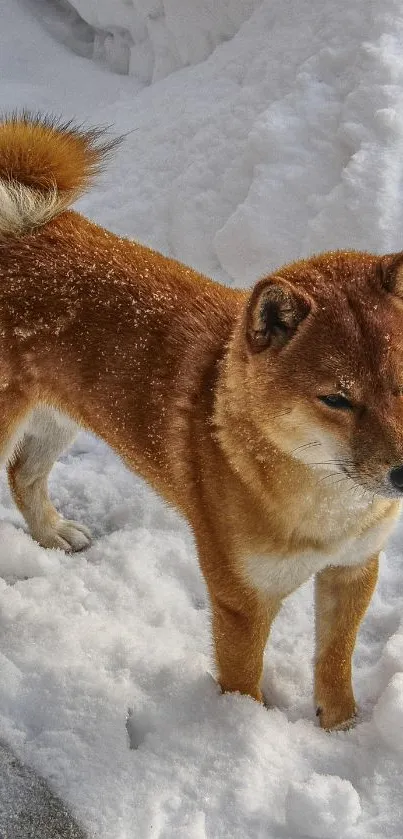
46 435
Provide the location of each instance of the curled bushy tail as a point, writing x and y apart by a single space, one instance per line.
44 165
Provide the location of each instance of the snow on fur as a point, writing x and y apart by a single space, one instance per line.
288 138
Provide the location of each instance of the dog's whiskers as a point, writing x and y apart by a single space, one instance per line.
278 416
305 446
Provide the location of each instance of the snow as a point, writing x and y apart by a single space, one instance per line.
322 806
388 713
148 39
285 138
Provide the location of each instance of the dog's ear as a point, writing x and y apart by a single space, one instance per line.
389 272
274 312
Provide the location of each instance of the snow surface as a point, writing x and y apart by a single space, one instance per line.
286 139
322 806
146 38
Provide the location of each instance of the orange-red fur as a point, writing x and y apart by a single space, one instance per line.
47 154
212 394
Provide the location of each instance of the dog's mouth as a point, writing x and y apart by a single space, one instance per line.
346 472
363 483
381 487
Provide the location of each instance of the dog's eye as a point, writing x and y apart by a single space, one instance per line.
337 401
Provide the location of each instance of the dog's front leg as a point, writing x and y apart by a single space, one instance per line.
342 597
241 627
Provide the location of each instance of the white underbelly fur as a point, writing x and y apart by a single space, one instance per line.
45 423
279 576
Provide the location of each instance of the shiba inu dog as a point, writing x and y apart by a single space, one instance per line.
272 418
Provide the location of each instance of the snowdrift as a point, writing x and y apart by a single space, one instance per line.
147 38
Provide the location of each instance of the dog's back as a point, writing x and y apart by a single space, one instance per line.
131 334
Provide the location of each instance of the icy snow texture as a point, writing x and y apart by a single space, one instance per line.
146 38
286 139
388 713
323 806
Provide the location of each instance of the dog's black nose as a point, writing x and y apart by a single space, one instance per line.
396 477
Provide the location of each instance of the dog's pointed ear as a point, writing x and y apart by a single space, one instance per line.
389 272
274 313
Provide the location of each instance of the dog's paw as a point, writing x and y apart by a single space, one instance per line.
338 718
66 535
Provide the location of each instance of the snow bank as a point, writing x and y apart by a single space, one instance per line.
287 140
148 38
